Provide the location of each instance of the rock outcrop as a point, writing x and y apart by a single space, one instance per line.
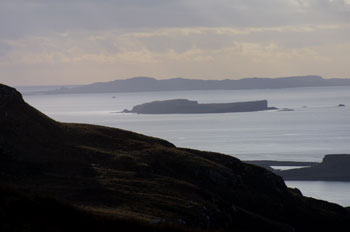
9 96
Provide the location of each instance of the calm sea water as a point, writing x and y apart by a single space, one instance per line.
316 127
336 192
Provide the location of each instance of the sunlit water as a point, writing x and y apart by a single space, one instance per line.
316 127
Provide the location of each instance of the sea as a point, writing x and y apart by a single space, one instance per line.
311 126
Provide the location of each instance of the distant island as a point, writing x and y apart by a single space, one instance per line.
149 84
184 106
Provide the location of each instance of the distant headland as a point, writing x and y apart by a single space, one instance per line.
332 168
184 106
149 84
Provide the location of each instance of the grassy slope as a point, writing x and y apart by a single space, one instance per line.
120 173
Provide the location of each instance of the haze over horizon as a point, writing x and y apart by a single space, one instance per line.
86 41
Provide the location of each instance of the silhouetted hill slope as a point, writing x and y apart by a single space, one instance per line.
332 168
146 84
119 173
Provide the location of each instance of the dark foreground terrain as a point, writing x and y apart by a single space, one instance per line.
96 178
31 212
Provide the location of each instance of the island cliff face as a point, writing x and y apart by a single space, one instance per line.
119 174
183 106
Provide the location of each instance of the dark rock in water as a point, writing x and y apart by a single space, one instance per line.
341 105
332 168
183 106
285 109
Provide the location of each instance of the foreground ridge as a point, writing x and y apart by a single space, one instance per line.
121 174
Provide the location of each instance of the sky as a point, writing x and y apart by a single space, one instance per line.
50 42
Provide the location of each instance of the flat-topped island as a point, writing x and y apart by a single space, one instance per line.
184 106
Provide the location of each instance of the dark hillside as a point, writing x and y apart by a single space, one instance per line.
117 173
30 212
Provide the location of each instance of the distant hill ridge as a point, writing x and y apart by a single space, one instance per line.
149 84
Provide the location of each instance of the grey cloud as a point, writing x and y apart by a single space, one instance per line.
19 18
4 48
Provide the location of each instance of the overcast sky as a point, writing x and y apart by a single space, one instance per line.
83 41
